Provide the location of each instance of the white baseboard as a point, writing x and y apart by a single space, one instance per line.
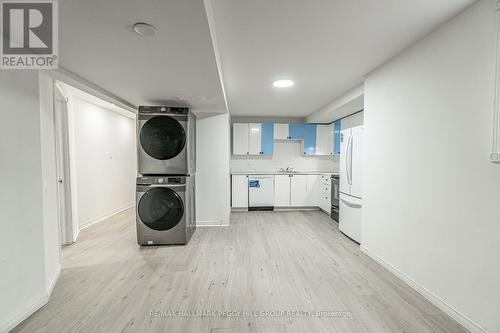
75 235
430 296
30 308
106 216
214 223
53 282
24 313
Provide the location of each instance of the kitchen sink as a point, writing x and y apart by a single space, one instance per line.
288 172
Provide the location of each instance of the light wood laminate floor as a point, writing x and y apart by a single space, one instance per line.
265 261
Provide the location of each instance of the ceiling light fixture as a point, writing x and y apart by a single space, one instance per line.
283 83
144 29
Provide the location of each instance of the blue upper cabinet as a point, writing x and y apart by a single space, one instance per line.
267 139
306 132
309 131
336 136
296 131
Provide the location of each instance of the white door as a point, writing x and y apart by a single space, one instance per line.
239 191
324 140
345 146
350 217
63 167
240 139
254 134
281 131
298 191
357 162
281 191
313 192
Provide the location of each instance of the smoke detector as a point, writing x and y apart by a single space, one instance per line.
144 29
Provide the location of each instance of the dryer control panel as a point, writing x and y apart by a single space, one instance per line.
161 180
164 109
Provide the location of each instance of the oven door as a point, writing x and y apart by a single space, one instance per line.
335 195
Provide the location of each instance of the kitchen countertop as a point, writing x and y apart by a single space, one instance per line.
283 173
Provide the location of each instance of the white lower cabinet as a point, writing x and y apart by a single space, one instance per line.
325 191
298 191
313 190
282 191
289 191
239 191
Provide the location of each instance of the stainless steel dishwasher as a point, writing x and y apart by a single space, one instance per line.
261 192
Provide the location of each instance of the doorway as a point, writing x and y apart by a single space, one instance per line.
95 139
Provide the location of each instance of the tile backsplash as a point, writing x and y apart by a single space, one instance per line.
286 154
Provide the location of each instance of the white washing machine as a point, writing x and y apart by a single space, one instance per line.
166 141
165 209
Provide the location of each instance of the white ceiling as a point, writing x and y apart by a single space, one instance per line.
326 46
175 66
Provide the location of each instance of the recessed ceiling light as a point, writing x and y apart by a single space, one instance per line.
283 83
144 29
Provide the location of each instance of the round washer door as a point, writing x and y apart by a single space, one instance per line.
160 208
162 137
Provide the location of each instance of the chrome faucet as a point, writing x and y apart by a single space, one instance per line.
287 170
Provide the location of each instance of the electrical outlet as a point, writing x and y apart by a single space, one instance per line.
495 157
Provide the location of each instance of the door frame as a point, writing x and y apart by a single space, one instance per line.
63 167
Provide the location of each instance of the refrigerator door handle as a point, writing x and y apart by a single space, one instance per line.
351 204
349 160
350 167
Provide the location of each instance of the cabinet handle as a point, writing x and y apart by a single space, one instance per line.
248 153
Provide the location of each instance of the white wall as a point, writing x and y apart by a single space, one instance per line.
22 282
212 170
104 159
431 196
354 120
350 102
49 183
29 241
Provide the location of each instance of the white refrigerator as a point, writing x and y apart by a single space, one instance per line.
351 152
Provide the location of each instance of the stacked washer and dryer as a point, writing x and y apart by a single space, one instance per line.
165 192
